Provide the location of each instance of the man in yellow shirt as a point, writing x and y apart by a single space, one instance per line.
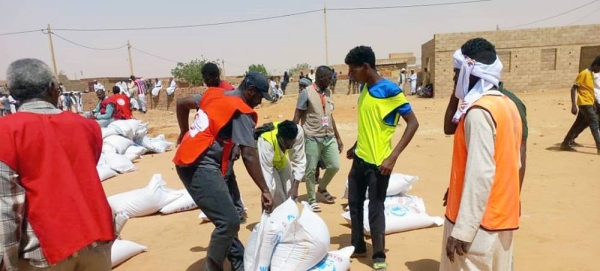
583 100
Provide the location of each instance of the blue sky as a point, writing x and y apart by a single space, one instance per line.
279 44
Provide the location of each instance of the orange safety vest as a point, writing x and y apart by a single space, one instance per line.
215 111
502 210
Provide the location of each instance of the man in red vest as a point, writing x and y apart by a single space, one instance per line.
211 76
224 119
54 213
483 207
122 104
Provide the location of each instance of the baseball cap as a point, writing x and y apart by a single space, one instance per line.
259 81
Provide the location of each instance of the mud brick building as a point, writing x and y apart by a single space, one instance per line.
534 59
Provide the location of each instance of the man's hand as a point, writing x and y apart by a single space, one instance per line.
236 152
387 166
340 145
267 202
574 110
446 198
350 153
293 193
454 245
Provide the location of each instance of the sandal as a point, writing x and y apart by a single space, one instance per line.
380 267
315 207
328 198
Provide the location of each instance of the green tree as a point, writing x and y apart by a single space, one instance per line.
191 71
299 67
258 68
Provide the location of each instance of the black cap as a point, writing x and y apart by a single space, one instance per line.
259 81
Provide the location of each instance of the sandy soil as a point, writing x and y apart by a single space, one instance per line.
559 225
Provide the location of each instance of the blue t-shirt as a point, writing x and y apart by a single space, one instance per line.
384 89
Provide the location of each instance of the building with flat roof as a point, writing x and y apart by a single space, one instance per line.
533 59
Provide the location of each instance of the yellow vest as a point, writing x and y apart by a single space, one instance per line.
279 158
374 143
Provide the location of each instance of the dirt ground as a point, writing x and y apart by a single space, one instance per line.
559 223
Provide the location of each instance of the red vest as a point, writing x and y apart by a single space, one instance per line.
122 106
104 103
55 157
216 110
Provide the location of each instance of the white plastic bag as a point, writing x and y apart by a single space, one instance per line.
108 131
337 260
122 250
136 149
125 128
183 203
144 201
399 218
267 234
105 172
121 219
131 156
304 245
118 163
203 217
120 143
399 183
401 199
140 132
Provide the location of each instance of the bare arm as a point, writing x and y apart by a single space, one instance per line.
337 135
412 124
298 115
449 126
184 105
252 164
523 163
574 100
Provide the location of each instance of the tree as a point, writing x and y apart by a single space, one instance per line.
299 67
191 71
260 68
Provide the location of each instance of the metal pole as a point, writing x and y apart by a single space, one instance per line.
326 42
52 50
224 76
130 59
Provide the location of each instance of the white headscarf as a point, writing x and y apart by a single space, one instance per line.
489 77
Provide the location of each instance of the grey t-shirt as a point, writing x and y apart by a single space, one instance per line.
240 130
302 103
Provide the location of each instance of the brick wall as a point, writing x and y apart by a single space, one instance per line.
534 59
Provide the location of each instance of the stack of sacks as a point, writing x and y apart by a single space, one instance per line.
204 218
182 204
402 212
337 260
127 140
285 240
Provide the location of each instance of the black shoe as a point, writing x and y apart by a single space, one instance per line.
575 144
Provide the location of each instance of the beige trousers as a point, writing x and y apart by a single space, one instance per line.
88 259
490 251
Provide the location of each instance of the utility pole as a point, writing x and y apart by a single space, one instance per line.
130 60
52 49
223 64
497 27
326 43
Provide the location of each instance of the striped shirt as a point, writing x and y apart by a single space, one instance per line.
141 86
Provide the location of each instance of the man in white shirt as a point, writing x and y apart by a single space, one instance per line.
171 92
98 86
282 174
311 76
156 93
413 82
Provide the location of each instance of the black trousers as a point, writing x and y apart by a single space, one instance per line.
362 177
234 190
587 117
210 192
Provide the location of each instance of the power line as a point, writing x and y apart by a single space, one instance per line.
87 47
193 25
585 16
266 18
552 17
21 32
409 6
153 55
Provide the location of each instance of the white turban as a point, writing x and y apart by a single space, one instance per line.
489 77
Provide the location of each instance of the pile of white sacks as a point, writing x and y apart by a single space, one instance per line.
287 240
125 141
403 212
155 197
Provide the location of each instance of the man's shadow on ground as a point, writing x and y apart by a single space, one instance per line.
423 265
